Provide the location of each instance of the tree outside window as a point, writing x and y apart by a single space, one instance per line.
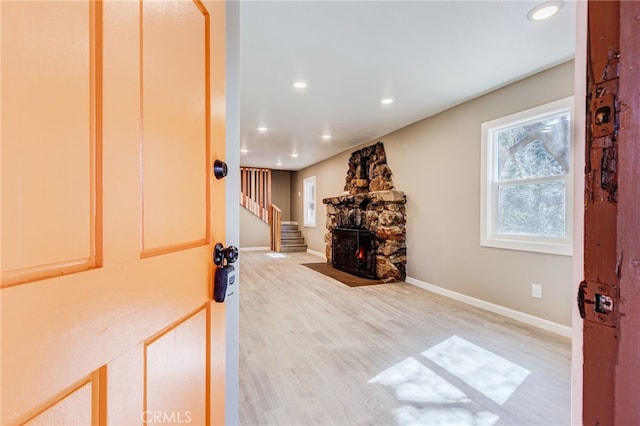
526 180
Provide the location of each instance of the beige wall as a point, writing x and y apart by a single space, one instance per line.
253 231
436 162
281 192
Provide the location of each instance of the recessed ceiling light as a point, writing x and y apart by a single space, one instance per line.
244 150
294 155
279 163
262 129
386 101
326 136
545 10
299 84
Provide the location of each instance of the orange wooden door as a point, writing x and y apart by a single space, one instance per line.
110 125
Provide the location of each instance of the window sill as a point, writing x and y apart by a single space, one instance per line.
562 249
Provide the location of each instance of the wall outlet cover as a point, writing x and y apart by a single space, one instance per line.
536 291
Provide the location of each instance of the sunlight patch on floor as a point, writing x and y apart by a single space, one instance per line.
408 415
486 372
412 381
276 255
445 403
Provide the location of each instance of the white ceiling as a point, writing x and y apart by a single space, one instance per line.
428 55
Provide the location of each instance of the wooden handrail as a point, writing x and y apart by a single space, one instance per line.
275 220
255 191
255 196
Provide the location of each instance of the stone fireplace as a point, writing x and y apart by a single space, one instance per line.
369 203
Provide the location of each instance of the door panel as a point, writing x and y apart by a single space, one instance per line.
121 111
125 390
173 361
57 331
72 409
48 174
101 321
174 124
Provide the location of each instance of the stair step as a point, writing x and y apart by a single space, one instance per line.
293 248
291 244
292 240
291 234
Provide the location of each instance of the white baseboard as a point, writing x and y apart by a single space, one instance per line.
254 248
289 223
542 323
317 253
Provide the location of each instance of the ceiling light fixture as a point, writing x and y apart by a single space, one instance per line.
262 129
326 137
294 155
279 163
545 10
386 101
244 150
299 84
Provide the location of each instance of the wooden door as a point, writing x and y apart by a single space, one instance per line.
111 121
611 290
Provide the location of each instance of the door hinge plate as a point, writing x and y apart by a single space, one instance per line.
598 303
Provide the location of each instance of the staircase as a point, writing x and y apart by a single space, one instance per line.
292 239
255 196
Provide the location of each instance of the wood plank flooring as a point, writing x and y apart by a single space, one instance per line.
313 352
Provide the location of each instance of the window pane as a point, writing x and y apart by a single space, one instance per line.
309 203
311 214
532 209
536 149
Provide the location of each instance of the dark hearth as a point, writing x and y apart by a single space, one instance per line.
370 203
354 252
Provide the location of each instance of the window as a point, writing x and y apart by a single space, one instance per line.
309 202
526 180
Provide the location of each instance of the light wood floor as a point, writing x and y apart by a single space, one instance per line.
309 347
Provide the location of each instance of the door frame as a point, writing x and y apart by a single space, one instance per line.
615 353
231 306
579 123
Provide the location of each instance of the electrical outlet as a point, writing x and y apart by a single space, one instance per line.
536 291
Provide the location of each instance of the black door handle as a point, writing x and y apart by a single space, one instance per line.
219 169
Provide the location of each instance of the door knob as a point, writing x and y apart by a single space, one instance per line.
219 169
220 254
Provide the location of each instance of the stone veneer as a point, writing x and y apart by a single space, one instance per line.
370 202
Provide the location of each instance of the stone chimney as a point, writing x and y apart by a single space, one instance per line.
370 202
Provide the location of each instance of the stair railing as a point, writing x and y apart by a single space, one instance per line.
275 220
255 191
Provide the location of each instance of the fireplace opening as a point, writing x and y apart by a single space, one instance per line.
353 251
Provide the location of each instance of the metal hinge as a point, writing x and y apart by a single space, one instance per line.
602 300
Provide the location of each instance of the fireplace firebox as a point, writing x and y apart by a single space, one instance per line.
354 252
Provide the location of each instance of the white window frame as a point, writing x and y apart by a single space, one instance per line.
489 236
309 215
